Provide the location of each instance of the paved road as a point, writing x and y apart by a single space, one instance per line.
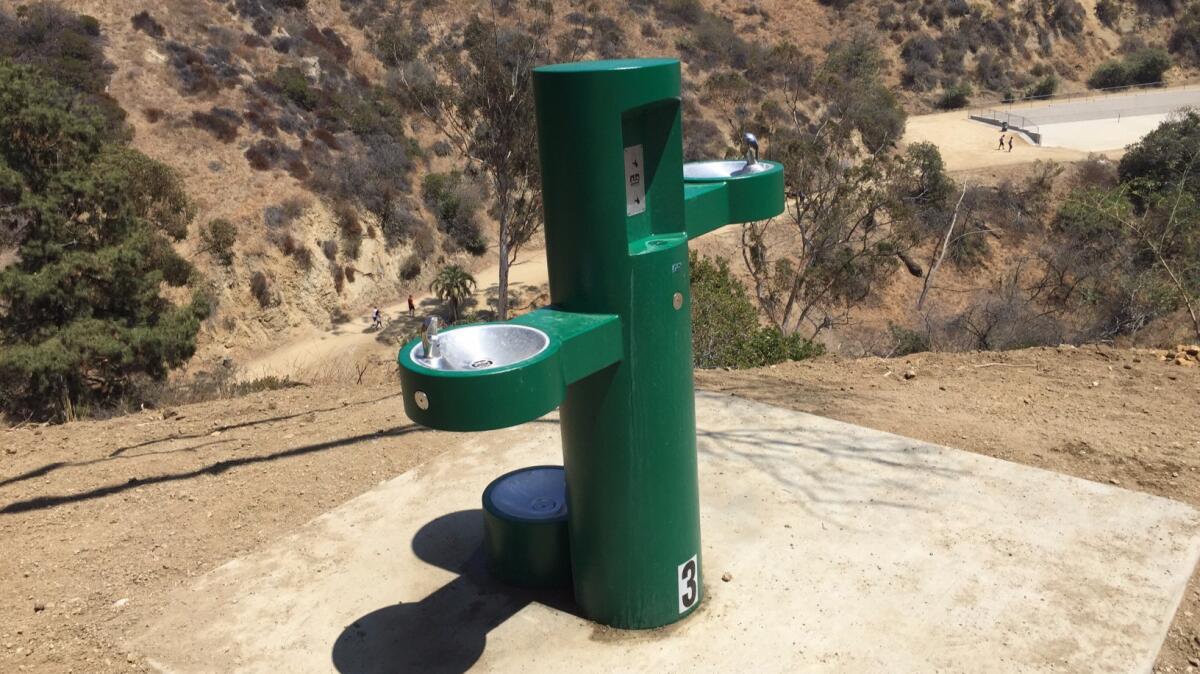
1109 107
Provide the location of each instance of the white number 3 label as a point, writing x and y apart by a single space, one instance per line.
689 584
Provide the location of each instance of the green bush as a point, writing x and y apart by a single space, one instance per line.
1185 40
955 96
83 315
687 12
1109 74
294 86
456 203
1108 12
218 237
1044 87
1144 66
725 327
906 341
1163 158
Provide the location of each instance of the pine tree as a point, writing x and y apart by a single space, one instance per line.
82 314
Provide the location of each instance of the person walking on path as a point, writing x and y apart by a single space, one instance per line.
377 319
412 308
1001 146
1010 143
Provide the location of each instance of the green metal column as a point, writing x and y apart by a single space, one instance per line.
611 152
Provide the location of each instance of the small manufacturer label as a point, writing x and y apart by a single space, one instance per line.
689 584
635 183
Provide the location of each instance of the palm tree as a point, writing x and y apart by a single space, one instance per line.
454 284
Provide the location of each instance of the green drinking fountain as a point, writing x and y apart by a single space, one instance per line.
620 520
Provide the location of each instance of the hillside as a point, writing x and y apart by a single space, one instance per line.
286 117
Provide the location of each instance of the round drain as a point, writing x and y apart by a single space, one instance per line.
485 362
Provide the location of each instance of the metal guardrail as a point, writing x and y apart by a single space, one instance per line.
1013 122
1094 94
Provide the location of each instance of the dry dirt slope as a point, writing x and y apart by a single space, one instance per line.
100 519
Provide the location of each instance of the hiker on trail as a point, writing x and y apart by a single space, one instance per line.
411 307
376 319
1010 143
1001 146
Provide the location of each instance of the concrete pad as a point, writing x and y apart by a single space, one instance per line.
850 550
1096 135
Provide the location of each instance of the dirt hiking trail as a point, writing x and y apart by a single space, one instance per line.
320 354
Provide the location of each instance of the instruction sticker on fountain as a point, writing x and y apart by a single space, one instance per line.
635 184
689 584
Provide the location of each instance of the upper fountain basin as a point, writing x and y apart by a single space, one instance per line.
478 348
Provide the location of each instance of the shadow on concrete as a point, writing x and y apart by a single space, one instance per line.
446 632
842 471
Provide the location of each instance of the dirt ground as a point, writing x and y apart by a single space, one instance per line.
101 519
966 145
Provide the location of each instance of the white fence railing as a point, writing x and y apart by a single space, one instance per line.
1009 121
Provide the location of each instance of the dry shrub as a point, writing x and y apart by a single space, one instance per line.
355 369
284 240
326 136
144 22
303 257
411 267
330 41
1095 171
347 219
220 122
260 113
424 243
153 115
294 207
297 169
330 249
349 272
195 74
339 277
262 155
260 287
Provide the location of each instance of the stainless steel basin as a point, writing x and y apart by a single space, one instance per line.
477 348
721 170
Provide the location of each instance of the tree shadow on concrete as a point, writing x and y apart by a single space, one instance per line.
830 473
446 632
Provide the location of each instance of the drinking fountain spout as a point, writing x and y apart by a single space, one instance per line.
429 337
751 148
